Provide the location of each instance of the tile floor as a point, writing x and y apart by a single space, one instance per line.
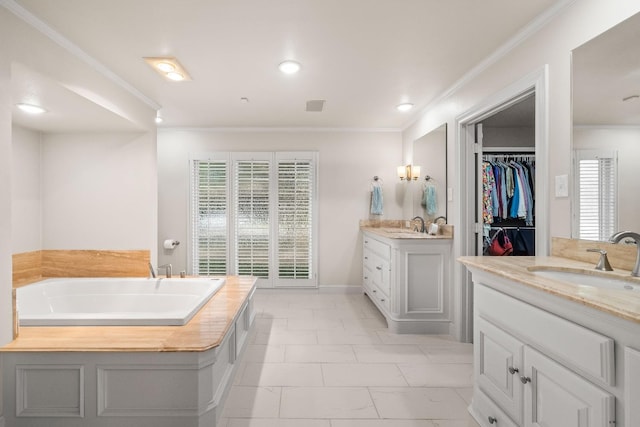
327 360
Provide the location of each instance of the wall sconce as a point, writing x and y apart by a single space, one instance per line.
408 172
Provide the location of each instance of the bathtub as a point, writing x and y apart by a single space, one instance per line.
113 301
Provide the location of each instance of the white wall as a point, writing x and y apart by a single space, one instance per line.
626 140
552 45
26 199
347 163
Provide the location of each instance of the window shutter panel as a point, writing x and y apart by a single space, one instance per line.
597 193
295 219
251 185
209 221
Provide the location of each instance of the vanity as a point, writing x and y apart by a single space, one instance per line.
406 274
549 351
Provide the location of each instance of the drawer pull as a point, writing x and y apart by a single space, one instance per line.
525 380
381 299
492 420
366 241
378 267
374 291
512 370
366 257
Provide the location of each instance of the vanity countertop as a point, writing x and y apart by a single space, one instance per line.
405 233
621 303
205 330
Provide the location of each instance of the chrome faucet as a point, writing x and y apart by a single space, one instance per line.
636 238
168 267
152 272
422 227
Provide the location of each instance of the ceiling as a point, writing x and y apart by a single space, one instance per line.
363 57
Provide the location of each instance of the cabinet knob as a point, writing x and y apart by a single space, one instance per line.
381 299
366 277
492 420
525 380
366 241
513 370
378 267
374 291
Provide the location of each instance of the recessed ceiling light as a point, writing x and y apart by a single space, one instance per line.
289 67
404 107
31 109
175 76
158 117
165 66
169 68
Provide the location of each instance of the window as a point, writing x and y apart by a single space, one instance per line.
254 214
597 194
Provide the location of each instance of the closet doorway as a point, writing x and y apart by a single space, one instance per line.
484 134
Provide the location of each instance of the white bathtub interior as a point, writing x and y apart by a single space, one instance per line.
114 301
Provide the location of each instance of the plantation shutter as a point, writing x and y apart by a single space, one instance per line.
252 219
209 217
294 256
597 194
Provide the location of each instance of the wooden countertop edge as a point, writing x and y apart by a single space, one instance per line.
618 303
204 331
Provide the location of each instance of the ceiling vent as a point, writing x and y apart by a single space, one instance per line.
315 105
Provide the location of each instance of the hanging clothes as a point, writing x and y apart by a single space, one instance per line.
508 188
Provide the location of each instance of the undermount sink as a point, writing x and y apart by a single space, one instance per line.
586 279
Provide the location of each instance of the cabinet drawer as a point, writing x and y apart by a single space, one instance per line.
380 298
376 246
488 413
587 351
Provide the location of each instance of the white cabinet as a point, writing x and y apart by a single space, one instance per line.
517 385
408 280
556 397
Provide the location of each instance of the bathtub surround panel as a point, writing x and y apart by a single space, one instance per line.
30 267
124 376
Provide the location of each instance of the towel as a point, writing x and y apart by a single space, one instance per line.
430 200
376 200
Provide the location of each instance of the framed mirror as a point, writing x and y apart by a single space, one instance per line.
429 192
606 133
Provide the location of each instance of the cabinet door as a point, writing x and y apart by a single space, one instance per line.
498 363
556 397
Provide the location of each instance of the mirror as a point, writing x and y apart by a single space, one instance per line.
430 153
606 118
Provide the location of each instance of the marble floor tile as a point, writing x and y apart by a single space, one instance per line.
276 422
385 353
319 353
348 337
327 402
418 403
281 374
362 375
382 423
454 354
438 375
252 402
328 360
285 337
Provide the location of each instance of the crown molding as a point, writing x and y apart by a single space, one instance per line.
75 50
520 37
278 129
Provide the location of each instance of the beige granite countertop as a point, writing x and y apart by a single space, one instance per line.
204 331
404 233
621 303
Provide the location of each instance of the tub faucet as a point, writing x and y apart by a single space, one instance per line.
636 238
168 267
152 272
422 228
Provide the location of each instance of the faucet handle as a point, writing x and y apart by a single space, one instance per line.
603 262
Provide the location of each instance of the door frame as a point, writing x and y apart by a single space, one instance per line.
464 245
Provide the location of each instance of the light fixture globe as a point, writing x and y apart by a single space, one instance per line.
404 107
289 67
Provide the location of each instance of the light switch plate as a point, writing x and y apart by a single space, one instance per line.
562 185
449 194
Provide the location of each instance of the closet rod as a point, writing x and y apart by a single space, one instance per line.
513 227
497 150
